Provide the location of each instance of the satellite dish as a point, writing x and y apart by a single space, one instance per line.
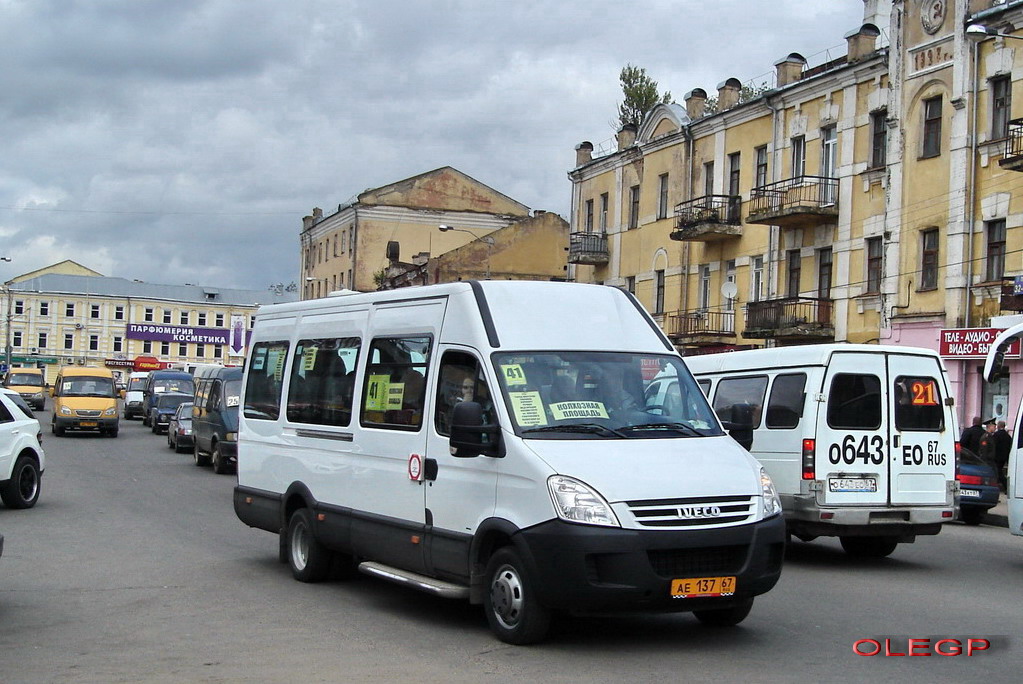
729 290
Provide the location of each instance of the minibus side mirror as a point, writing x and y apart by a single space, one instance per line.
53 391
741 426
470 436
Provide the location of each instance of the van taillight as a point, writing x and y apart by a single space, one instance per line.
809 446
957 450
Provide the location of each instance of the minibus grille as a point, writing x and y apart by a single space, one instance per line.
87 414
712 560
687 513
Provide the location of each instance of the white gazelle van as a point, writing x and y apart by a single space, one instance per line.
860 440
994 370
491 441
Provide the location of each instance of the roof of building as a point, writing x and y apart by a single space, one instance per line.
105 286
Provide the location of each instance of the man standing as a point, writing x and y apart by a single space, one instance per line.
986 450
1003 444
970 439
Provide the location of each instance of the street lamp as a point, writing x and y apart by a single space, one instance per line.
8 295
979 32
485 239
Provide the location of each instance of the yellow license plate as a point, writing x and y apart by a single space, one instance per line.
702 587
88 424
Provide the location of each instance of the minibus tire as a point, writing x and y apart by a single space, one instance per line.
509 599
972 516
219 465
22 490
725 617
309 560
200 458
869 547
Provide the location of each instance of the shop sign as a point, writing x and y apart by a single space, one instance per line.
155 332
147 363
971 343
119 363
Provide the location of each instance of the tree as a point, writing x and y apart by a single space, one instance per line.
640 95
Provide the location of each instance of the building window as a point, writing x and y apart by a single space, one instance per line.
16 338
183 319
734 161
929 259
824 268
218 351
995 250
219 320
167 316
703 302
147 316
69 341
757 279
1001 106
603 213
730 278
118 313
118 344
200 351
798 156
165 349
662 196
708 179
630 284
795 265
44 308
201 319
43 340
19 307
932 128
878 139
634 207
589 216
760 170
69 309
93 342
873 246
147 346
182 349
659 291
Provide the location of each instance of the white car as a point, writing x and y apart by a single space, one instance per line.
21 455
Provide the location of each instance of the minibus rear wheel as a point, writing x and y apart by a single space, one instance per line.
309 560
725 617
513 611
869 547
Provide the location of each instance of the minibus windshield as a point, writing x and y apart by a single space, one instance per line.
136 384
614 395
232 393
85 386
25 380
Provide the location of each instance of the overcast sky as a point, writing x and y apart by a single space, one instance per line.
180 141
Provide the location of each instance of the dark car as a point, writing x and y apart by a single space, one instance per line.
978 487
179 430
165 407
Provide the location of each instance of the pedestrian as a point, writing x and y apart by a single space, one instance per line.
986 450
970 439
1003 445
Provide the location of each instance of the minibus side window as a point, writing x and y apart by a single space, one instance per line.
323 381
394 392
741 400
918 404
855 402
460 380
705 386
265 379
785 407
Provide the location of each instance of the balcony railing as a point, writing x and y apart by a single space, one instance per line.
1012 158
685 325
803 201
587 248
708 218
796 318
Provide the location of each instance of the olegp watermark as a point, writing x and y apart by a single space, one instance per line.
948 646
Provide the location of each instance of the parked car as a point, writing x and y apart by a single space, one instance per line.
166 406
21 453
978 487
179 430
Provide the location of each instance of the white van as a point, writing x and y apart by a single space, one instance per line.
993 370
860 440
490 441
134 394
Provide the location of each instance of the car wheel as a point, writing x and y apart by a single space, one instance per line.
201 459
22 490
113 432
56 429
725 617
869 547
219 464
510 602
308 558
972 516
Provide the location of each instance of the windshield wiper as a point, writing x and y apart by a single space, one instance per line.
592 428
684 428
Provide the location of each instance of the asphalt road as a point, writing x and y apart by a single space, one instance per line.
133 568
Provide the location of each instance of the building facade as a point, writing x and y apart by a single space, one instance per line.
869 198
69 315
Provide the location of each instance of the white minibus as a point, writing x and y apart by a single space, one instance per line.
860 440
993 370
491 441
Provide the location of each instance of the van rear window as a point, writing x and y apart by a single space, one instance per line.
918 404
854 402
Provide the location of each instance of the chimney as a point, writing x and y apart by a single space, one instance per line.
696 103
307 222
790 69
583 153
627 136
728 94
861 42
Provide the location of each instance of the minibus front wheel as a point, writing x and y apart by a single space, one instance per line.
513 611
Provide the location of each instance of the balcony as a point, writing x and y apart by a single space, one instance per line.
699 327
1012 158
1012 294
793 318
587 248
800 202
708 219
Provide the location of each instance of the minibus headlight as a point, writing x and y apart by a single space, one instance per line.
772 504
231 437
579 503
65 411
112 411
